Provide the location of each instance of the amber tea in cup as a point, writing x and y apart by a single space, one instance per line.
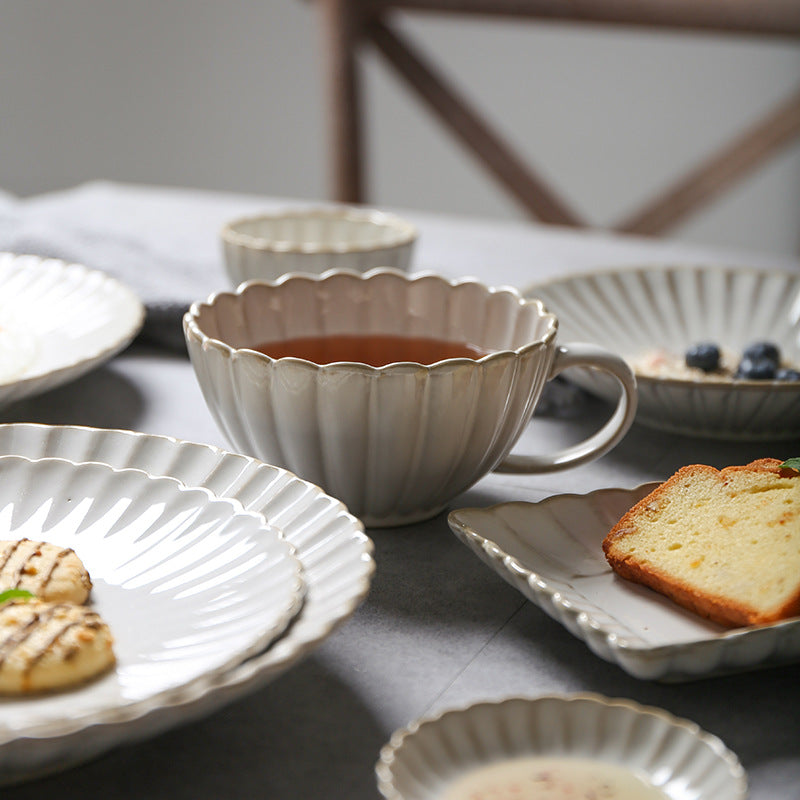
375 349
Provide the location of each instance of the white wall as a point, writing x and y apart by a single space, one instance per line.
229 96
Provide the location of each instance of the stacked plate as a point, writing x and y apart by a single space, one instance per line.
57 322
245 566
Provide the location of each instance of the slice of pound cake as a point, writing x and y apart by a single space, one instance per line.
722 543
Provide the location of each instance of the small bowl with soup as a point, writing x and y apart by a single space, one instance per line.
559 747
393 392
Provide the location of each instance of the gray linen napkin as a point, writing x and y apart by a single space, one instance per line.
73 227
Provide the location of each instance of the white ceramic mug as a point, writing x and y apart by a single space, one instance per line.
395 443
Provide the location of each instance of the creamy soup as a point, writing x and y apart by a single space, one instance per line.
543 778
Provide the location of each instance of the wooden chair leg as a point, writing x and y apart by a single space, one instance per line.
442 99
341 22
713 177
347 23
779 18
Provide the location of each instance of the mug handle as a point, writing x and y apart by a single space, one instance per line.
584 355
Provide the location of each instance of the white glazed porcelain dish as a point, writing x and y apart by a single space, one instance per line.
395 441
57 322
638 310
181 577
314 240
335 555
551 552
425 760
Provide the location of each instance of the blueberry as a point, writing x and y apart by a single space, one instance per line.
763 350
756 369
704 355
787 374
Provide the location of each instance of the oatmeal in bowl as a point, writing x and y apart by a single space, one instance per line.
707 361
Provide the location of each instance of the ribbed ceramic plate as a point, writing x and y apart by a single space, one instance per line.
551 552
635 311
57 322
426 759
189 584
330 543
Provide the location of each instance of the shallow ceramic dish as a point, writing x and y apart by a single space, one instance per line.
635 311
57 322
424 760
314 240
180 576
551 551
335 555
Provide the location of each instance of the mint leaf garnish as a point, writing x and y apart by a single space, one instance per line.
11 594
791 463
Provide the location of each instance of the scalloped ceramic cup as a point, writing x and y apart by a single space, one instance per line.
314 240
395 443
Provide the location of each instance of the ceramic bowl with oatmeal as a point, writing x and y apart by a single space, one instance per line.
715 350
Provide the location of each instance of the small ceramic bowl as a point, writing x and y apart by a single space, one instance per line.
394 442
593 737
652 314
314 240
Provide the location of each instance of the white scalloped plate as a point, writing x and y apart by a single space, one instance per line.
551 552
189 584
330 543
422 761
632 311
57 322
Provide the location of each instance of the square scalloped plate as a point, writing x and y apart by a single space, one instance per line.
551 552
189 584
57 322
427 759
633 311
335 554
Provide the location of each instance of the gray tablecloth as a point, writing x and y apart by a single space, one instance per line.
438 628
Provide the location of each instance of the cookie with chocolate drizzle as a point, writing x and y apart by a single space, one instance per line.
48 571
48 646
